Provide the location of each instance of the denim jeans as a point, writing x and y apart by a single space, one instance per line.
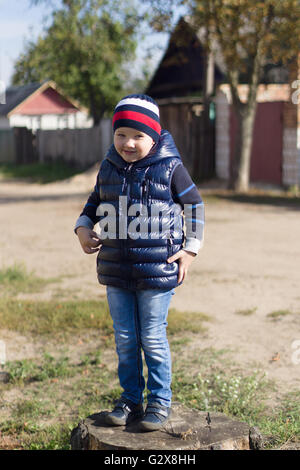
140 322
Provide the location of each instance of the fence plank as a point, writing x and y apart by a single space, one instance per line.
81 147
7 146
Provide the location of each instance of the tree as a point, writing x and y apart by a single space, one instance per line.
84 51
248 34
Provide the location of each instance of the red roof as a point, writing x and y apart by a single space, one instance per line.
48 101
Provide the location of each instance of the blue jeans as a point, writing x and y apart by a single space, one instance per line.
140 322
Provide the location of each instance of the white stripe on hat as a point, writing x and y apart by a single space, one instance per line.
138 102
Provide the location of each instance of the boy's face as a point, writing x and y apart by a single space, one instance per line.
132 144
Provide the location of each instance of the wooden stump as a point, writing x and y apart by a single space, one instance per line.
187 429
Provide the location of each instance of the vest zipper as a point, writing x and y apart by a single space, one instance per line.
170 247
126 189
144 192
125 185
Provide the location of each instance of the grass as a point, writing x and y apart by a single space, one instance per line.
25 371
45 397
60 318
57 394
278 314
39 172
246 311
54 318
214 383
280 198
16 278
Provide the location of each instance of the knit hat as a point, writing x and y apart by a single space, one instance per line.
139 112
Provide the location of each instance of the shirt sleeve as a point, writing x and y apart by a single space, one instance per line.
88 217
185 193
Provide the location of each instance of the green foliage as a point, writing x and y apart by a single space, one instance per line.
83 51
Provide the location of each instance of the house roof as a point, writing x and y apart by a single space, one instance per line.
181 70
14 95
20 96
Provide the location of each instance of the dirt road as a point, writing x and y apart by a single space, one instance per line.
248 269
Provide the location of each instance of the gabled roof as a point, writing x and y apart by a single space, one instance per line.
181 70
16 96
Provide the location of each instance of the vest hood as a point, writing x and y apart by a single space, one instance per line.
164 148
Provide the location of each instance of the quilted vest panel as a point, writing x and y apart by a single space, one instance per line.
140 225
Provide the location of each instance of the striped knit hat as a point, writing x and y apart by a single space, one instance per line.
139 112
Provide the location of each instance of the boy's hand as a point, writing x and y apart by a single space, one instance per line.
185 259
88 239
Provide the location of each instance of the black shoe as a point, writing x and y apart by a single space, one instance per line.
124 412
155 417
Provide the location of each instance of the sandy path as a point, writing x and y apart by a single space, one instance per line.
251 260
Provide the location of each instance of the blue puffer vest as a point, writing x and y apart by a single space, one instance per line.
149 227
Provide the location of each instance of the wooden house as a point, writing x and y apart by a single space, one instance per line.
178 86
41 106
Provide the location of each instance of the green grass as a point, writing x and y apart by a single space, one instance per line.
229 393
278 314
39 172
25 370
206 380
59 318
246 311
179 321
53 393
53 317
212 383
16 278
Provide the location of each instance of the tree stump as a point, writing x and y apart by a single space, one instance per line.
187 429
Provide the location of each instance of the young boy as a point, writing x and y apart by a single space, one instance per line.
142 188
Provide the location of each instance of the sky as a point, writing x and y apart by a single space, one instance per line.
19 21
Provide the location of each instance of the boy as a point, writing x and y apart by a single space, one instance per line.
140 193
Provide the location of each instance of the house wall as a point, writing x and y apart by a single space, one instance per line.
267 146
290 161
275 131
51 121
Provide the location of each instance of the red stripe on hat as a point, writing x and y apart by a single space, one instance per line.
139 117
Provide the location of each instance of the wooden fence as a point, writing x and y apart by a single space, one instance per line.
183 118
7 146
79 147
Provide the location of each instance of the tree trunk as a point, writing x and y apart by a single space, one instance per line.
96 111
240 173
208 89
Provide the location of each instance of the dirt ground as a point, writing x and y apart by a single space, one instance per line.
250 262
